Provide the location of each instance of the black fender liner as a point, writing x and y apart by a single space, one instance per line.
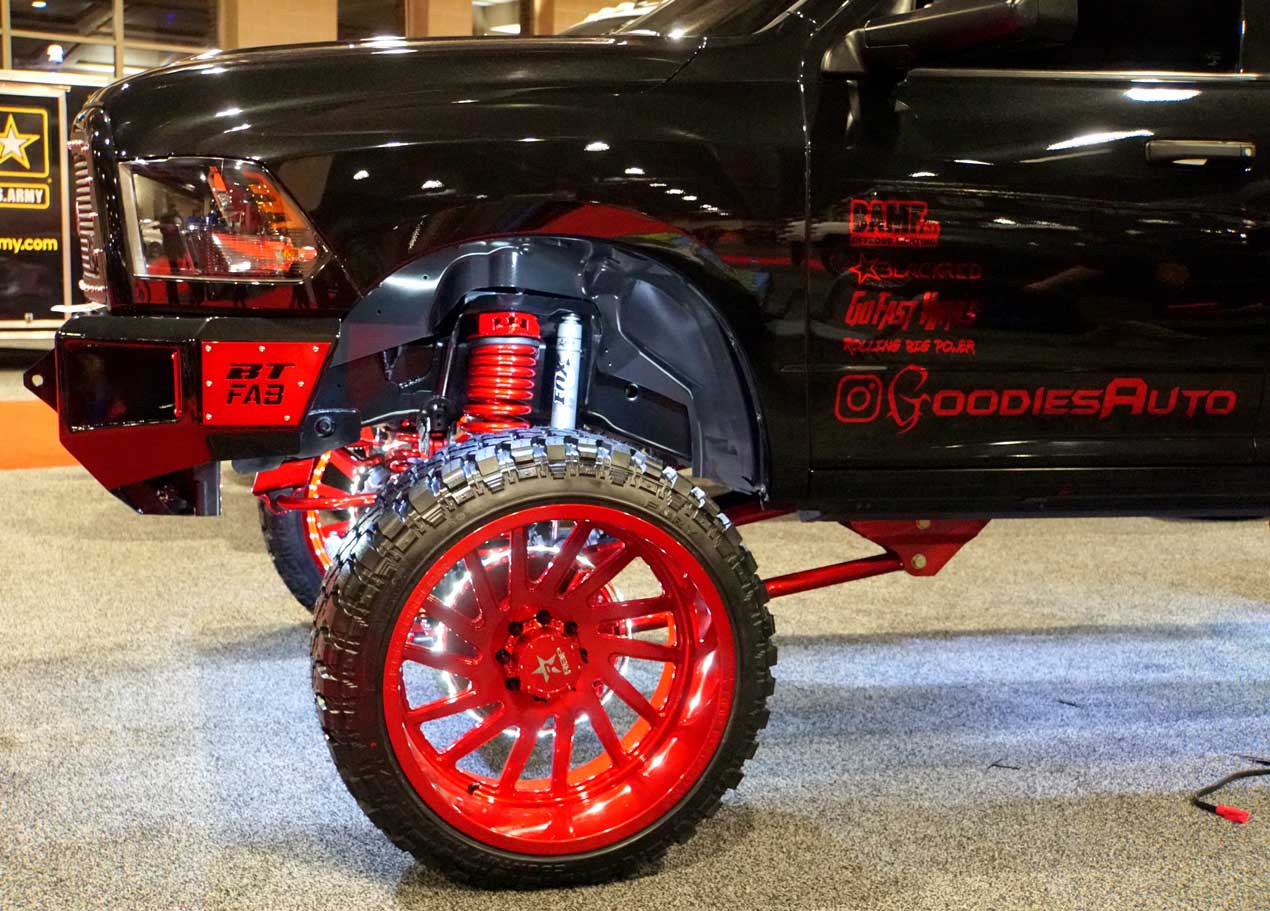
658 332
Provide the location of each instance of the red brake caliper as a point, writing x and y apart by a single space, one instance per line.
535 644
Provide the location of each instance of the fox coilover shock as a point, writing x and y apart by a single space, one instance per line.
502 373
502 387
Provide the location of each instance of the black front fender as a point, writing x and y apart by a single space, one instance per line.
659 332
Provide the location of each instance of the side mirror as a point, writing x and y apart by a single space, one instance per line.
948 27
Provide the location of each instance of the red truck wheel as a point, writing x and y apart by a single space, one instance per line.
581 735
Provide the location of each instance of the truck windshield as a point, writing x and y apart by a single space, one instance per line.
727 18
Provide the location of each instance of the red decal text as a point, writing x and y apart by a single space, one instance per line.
870 271
892 223
906 400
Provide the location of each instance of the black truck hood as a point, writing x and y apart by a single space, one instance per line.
276 103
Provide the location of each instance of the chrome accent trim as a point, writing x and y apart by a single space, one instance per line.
1090 75
87 223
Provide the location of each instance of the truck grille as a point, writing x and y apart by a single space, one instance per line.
87 225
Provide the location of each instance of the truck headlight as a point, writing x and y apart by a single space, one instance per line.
214 219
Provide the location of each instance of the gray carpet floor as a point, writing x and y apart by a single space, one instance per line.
1020 732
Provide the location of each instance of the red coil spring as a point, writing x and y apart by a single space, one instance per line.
502 370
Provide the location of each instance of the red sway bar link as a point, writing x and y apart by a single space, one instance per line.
307 504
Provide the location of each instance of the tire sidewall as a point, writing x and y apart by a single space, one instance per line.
286 537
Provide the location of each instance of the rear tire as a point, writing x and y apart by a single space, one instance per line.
300 542
287 540
410 595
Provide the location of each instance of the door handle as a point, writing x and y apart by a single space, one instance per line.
1199 151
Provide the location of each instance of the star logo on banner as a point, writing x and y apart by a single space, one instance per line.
13 144
865 271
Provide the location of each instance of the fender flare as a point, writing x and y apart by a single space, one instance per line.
659 330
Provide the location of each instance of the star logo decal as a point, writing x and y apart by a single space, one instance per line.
547 667
13 145
865 271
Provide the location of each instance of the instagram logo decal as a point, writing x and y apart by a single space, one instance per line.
859 399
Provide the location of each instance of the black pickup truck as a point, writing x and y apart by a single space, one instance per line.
516 335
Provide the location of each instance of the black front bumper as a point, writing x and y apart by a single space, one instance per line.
151 405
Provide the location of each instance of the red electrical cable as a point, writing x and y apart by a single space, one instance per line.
1234 814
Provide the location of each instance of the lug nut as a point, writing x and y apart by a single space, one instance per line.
515 627
571 628
513 683
502 656
543 617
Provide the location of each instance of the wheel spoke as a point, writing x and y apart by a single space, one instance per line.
554 578
602 551
639 648
603 574
562 751
452 619
475 738
481 587
443 708
631 610
602 725
526 740
627 692
446 662
518 566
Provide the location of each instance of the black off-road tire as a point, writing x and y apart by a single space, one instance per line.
421 515
287 540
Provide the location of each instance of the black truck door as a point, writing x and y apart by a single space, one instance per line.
1045 259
